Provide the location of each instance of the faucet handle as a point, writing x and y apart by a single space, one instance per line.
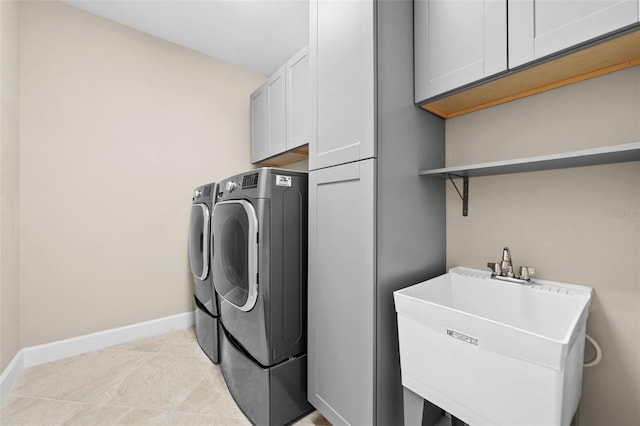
526 273
495 268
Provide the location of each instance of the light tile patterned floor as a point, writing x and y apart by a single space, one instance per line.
164 380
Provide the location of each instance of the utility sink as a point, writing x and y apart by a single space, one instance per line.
492 352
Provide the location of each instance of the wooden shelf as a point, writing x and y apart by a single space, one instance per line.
591 60
586 157
292 156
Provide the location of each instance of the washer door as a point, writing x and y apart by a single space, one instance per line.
198 244
234 241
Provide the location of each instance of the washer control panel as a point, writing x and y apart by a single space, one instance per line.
204 191
237 184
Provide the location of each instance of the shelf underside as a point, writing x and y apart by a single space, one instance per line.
292 156
587 157
591 61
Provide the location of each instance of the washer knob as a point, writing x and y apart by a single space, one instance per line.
197 193
231 186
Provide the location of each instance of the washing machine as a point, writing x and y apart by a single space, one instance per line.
207 314
259 266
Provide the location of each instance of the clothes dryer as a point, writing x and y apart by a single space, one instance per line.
206 304
259 265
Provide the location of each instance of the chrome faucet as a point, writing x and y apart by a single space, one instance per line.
503 270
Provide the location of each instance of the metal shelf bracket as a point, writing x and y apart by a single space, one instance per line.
464 196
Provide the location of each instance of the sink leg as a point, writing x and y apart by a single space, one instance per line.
419 411
431 414
413 404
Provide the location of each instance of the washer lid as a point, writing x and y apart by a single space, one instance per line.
234 240
198 241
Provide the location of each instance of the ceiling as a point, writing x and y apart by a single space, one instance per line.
259 35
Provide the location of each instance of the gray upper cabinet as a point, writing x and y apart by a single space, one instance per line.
460 43
298 91
280 110
457 42
538 28
268 118
276 110
341 37
259 135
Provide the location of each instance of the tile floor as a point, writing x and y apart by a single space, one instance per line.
163 380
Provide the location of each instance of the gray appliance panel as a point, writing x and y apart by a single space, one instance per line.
267 396
207 330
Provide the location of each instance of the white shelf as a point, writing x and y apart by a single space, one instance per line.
586 157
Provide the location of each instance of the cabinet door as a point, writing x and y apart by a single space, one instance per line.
541 27
259 137
341 35
457 42
276 109
298 92
341 327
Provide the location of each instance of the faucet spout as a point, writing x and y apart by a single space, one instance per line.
506 266
506 255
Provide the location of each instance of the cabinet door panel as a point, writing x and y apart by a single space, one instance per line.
298 91
342 69
259 137
341 292
457 42
276 100
541 27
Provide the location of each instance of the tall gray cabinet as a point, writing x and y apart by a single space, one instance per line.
374 225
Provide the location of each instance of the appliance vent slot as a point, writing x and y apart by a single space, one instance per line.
207 191
250 181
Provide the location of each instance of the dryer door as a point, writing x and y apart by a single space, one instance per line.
234 238
198 243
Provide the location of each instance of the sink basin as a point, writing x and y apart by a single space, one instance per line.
492 352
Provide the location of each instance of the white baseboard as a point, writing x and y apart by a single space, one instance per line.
10 375
34 355
48 352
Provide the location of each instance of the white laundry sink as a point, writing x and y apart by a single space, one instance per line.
492 352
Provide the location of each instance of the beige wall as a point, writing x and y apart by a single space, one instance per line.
576 225
302 166
9 183
117 129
